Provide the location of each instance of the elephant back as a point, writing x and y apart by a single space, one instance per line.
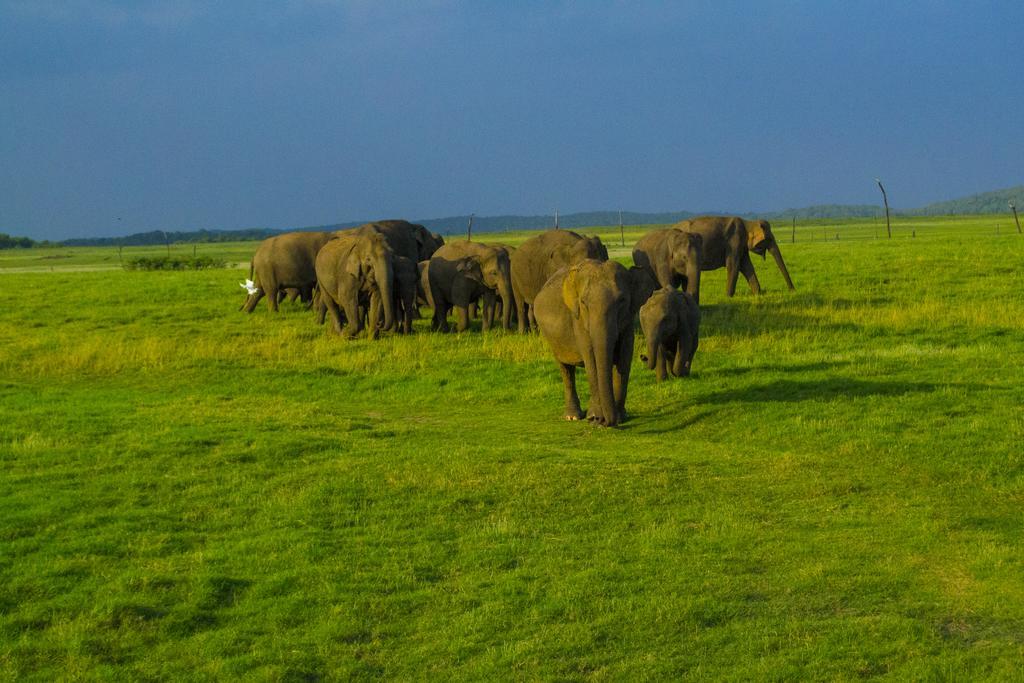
411 240
540 257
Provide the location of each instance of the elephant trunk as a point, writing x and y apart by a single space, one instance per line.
653 347
693 279
781 264
603 331
386 284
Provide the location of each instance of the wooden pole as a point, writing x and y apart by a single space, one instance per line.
885 198
794 230
556 219
622 234
469 228
1015 219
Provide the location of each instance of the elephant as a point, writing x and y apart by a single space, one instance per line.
406 277
449 286
355 270
728 241
410 240
671 323
585 313
499 308
643 285
282 262
538 258
672 257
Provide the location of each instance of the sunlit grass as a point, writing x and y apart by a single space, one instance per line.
187 491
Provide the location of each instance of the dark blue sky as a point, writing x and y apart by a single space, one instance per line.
118 117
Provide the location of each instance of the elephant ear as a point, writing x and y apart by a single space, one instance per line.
756 233
468 267
573 291
354 264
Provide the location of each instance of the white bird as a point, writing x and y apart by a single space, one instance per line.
249 286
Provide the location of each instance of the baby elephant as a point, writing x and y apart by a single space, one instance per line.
670 320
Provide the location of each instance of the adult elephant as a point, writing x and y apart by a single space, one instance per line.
672 257
585 312
411 240
282 262
728 241
538 258
448 288
350 270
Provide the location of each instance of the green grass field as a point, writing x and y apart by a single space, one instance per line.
837 493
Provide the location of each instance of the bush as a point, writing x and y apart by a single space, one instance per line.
175 263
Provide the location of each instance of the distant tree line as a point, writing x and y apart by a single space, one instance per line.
8 242
985 203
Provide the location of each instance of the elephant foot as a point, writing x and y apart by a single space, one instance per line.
573 416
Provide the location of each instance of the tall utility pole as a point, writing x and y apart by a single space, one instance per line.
622 234
1016 220
469 228
885 198
556 219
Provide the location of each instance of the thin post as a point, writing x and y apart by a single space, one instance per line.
885 198
622 234
1016 220
469 228
794 230
556 219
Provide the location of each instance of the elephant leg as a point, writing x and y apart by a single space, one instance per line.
321 309
488 312
439 322
620 373
523 322
331 305
732 273
747 267
461 318
533 320
354 325
572 400
473 313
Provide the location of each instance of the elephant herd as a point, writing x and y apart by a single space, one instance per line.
560 283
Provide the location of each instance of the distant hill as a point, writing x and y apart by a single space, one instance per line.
983 203
828 211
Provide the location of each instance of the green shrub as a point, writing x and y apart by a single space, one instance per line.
175 263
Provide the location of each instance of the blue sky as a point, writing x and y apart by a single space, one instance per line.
119 117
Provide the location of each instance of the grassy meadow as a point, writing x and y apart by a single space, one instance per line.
837 492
